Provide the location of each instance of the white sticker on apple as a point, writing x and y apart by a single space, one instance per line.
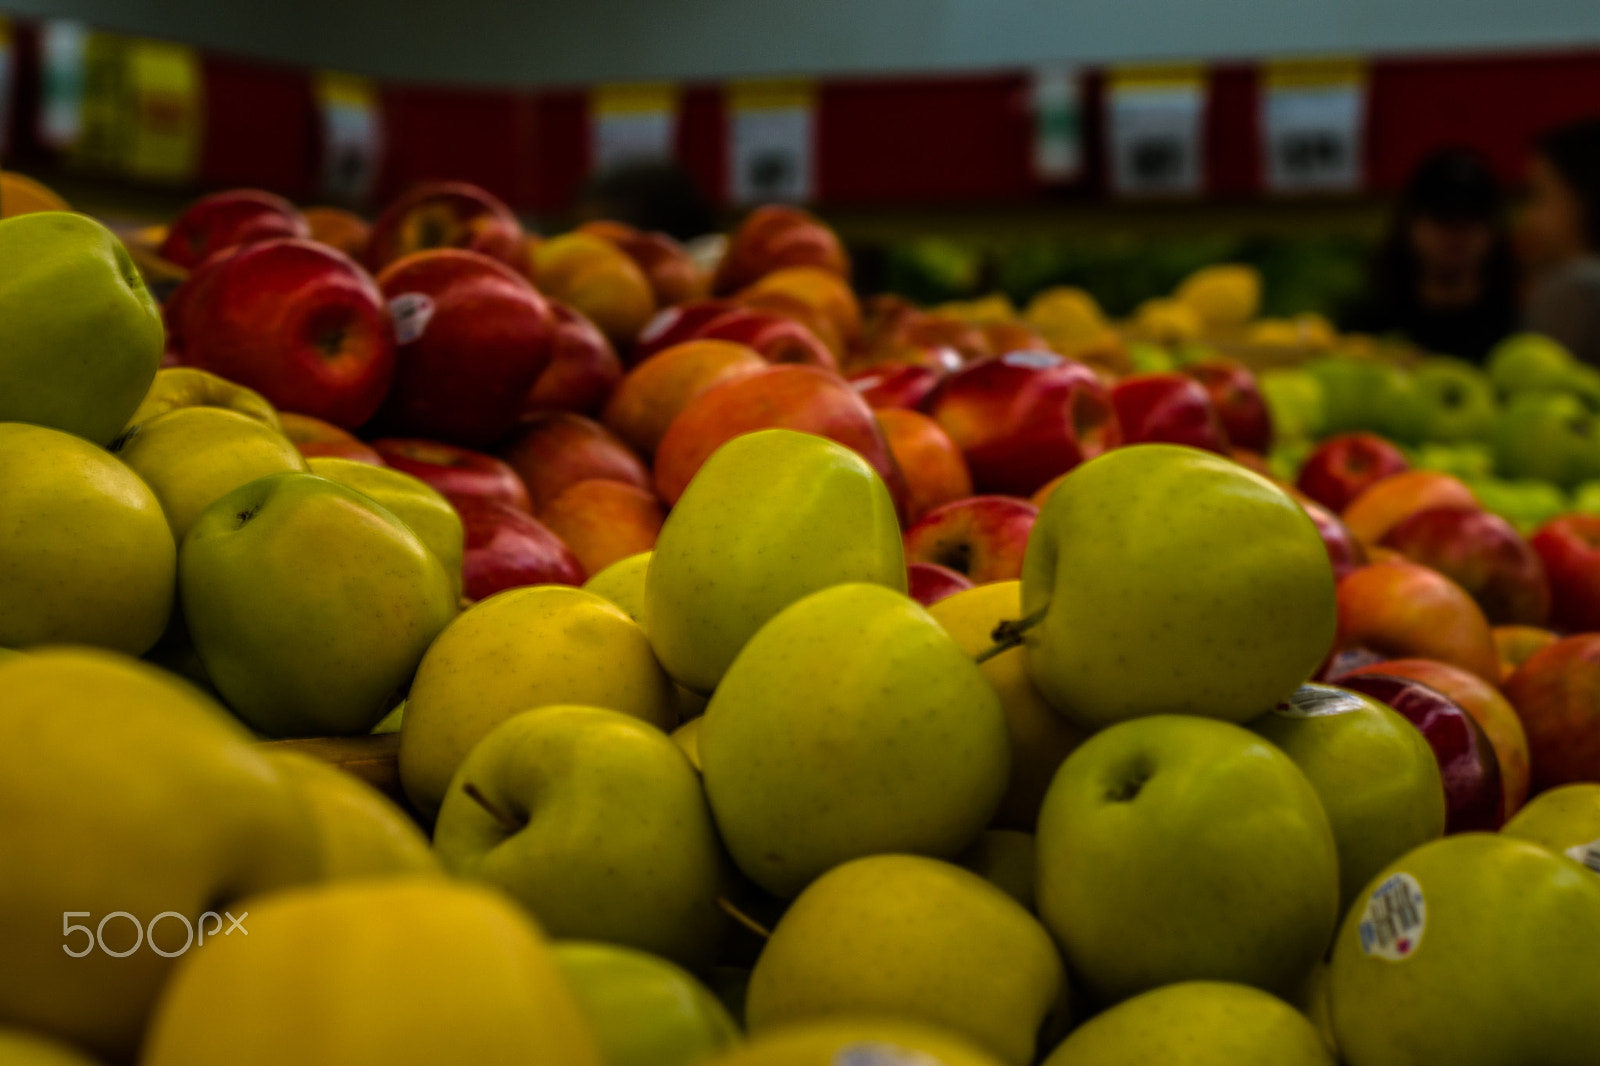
1395 919
411 312
1317 701
877 1054
1033 360
1586 855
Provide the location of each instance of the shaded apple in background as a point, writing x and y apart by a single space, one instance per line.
789 306
446 214
805 398
934 470
1517 644
650 396
583 369
341 229
1570 549
896 384
928 583
506 548
1024 418
1347 661
1387 503
778 339
1405 611
824 292
314 437
1557 696
218 221
1004 337
472 336
1255 462
1038 498
295 320
1345 552
1483 554
674 325
1474 796
555 449
1342 467
1167 409
776 236
1492 711
1246 419
981 537
603 522
932 332
674 278
599 279
457 473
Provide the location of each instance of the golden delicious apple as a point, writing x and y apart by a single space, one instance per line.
623 584
129 794
900 936
1168 580
20 1048
771 517
1560 819
412 500
594 821
644 1010
189 386
857 1042
80 337
192 456
851 724
310 605
524 648
1040 738
1196 1023
85 553
374 973
360 831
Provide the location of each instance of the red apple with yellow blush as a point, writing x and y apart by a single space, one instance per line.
225 219
446 214
555 449
457 473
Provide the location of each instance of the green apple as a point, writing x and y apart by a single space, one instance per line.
1469 460
1040 738
1358 393
1007 859
1176 848
523 648
193 456
80 337
1586 497
1526 504
1146 358
858 1042
128 792
1562 819
644 1010
623 584
86 556
915 939
1171 580
771 516
19 1048
413 501
188 386
1449 401
595 822
1474 950
1583 381
1196 1023
1529 362
310 605
1548 436
360 831
1373 770
1296 401
850 724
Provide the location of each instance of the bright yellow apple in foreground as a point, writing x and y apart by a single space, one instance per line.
188 386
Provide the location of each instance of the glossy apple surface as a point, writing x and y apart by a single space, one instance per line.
506 548
1246 419
1342 467
1570 549
1557 696
982 537
1402 610
224 219
446 214
928 583
1167 409
457 473
556 449
1483 554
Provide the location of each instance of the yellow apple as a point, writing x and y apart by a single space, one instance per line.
188 386
413 501
360 831
687 737
645 1010
19 1048
858 1042
1560 819
623 584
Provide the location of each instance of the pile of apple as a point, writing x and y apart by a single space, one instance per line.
779 680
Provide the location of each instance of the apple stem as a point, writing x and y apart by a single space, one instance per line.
1009 634
508 823
742 918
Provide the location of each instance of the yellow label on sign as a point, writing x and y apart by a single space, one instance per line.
1316 73
634 97
772 94
335 89
164 101
352 135
1157 77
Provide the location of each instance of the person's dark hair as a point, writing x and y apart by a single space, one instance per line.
1574 152
652 196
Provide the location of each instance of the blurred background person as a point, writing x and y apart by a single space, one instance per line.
1444 278
1558 238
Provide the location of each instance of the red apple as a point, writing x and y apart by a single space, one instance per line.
1474 796
295 320
805 398
1406 611
778 339
1345 552
896 384
1246 419
458 473
504 548
555 449
224 219
1557 696
674 325
1483 554
929 582
1167 409
472 338
1342 467
1570 549
776 236
314 437
1024 418
583 370
981 537
447 214
604 521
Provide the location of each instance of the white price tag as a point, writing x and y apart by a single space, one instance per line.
63 45
1395 920
771 141
1156 132
632 123
1057 124
1313 121
352 136
1586 854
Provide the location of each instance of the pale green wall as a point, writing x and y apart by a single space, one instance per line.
555 41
